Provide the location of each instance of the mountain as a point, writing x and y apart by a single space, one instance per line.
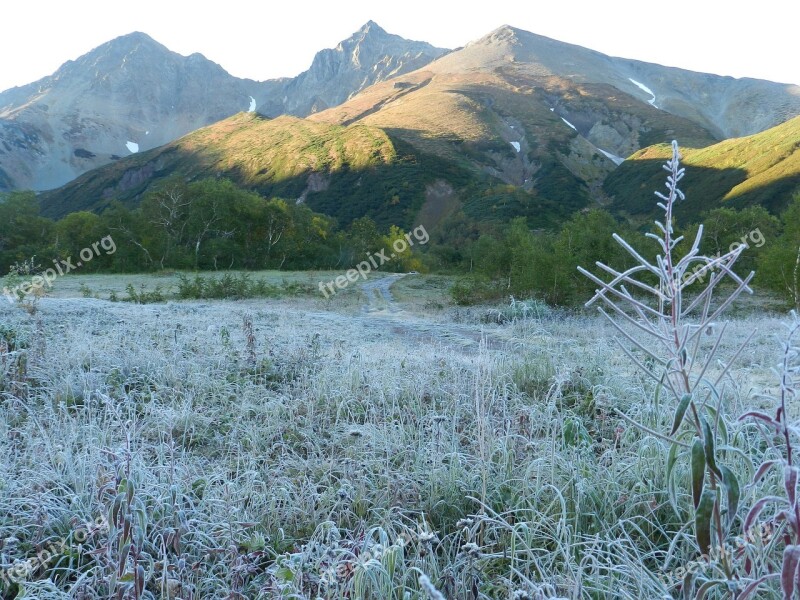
371 55
132 94
499 107
554 119
513 124
761 169
727 107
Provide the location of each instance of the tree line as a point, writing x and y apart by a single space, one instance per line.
514 260
214 225
206 225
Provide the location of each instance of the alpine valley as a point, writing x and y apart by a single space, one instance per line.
513 124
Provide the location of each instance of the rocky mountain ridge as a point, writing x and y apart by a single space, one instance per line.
132 94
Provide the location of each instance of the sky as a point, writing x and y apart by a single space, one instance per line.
266 39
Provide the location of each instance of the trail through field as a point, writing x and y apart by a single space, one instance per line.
379 295
382 309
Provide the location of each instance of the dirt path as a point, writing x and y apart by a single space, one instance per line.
379 295
383 309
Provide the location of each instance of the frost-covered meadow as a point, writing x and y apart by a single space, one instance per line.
293 448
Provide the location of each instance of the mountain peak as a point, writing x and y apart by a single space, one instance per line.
508 29
113 52
138 36
109 56
371 27
129 40
370 55
503 34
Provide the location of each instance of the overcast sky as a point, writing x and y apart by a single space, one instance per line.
265 39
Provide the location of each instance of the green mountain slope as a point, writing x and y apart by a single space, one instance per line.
286 157
759 169
346 171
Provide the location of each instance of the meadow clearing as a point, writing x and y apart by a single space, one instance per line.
357 447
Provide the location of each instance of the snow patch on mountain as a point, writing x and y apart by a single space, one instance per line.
617 160
132 146
516 146
645 89
568 123
252 105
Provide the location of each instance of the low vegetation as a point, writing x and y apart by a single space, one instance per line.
237 287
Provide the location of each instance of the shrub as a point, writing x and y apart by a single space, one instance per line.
143 296
237 287
19 284
474 290
665 326
519 310
11 339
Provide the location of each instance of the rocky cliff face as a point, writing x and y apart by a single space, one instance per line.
132 94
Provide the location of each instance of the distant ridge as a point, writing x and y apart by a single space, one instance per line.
133 94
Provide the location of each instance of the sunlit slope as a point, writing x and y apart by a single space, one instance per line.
759 169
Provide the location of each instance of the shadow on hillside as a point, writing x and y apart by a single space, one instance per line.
774 196
388 193
633 185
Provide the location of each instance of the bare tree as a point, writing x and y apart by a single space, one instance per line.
205 220
170 215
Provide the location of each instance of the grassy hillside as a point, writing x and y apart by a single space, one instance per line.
344 170
759 169
347 171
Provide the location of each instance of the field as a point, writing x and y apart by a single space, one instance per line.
299 447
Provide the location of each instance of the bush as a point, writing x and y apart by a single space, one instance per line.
11 339
236 287
519 310
475 290
143 296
